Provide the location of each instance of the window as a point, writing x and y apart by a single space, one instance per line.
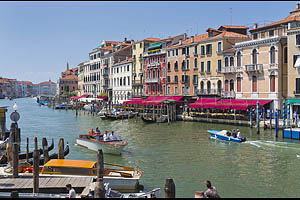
226 85
208 67
164 89
124 79
195 79
254 36
239 84
208 49
239 59
149 89
183 78
182 90
158 59
271 33
128 68
187 51
176 52
187 90
297 85
153 60
141 45
187 64
183 65
195 49
202 50
231 61
173 52
285 55
272 55
158 73
176 66
272 83
254 56
202 67
153 73
168 79
134 47
169 53
231 84
226 62
169 90
183 51
208 84
164 72
164 59
169 67
176 90
219 46
195 63
298 39
262 35
176 79
254 84
219 65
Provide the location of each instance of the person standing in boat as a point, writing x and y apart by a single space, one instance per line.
91 132
234 134
105 136
211 191
113 137
239 135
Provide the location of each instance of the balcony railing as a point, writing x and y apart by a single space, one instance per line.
208 92
152 80
228 69
254 68
230 94
137 82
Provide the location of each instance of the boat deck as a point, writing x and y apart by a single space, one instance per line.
47 184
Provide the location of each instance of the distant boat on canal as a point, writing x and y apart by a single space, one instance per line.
222 135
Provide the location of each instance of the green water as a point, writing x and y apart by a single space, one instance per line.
262 167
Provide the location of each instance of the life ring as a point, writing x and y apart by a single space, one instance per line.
28 170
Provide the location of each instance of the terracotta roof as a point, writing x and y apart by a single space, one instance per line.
204 36
152 39
3 80
212 29
27 82
48 82
170 37
124 61
283 21
36 84
112 42
228 50
70 77
106 48
233 27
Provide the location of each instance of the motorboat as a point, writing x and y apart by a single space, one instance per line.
61 106
119 177
223 135
94 143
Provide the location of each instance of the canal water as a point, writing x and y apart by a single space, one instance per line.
264 166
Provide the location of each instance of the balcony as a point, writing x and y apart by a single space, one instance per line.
152 80
185 69
228 94
254 68
228 69
208 92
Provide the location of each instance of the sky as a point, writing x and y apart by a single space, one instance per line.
37 39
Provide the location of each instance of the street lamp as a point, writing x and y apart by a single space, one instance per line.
15 116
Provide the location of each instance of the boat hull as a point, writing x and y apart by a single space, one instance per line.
95 146
215 135
122 184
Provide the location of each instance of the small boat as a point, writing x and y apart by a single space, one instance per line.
93 143
102 114
62 106
119 177
222 135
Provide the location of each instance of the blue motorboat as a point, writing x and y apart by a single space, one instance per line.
62 106
222 135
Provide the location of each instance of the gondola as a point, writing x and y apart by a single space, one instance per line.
3 159
52 156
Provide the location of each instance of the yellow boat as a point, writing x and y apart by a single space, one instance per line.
119 177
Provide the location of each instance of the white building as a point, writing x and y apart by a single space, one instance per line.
122 81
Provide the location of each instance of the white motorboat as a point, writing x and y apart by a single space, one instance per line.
91 142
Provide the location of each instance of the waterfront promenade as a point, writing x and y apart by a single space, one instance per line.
262 167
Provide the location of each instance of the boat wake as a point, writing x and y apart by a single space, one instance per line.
273 144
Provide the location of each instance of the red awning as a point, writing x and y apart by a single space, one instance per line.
155 100
84 96
74 97
102 97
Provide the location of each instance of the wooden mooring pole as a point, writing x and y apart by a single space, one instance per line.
169 189
99 186
27 149
61 148
15 160
45 150
36 164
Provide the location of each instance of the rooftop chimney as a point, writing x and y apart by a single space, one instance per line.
255 26
192 39
125 39
180 42
297 6
184 36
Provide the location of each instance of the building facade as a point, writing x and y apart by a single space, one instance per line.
47 88
122 81
68 82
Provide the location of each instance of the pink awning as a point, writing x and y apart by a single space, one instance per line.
83 96
155 100
102 97
74 97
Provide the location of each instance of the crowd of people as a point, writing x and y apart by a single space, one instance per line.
235 133
105 137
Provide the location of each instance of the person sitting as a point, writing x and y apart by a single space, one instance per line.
97 131
91 132
228 133
112 136
234 134
211 191
72 193
105 136
239 135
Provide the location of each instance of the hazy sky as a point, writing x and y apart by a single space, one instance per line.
37 39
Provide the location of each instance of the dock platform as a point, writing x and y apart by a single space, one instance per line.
47 184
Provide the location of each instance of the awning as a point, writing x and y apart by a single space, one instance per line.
297 63
293 101
84 96
102 97
155 100
74 97
154 46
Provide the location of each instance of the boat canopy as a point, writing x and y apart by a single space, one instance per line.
218 103
70 163
154 100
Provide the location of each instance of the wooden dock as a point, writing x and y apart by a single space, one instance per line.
47 184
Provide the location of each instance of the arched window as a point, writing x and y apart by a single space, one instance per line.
208 87
196 63
272 83
219 86
202 86
239 84
231 61
272 55
153 73
231 85
254 84
285 55
226 85
254 56
226 62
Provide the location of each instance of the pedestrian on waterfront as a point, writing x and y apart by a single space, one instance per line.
211 191
72 193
